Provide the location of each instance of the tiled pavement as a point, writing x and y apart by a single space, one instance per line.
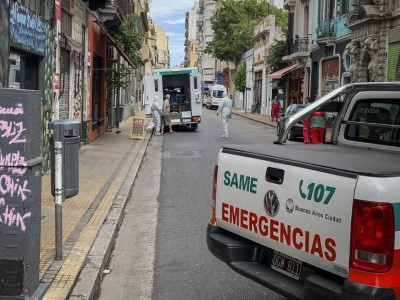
108 167
104 165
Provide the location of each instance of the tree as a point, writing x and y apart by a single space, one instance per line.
129 39
234 27
240 78
274 58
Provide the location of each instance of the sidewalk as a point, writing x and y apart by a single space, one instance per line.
255 117
107 170
108 167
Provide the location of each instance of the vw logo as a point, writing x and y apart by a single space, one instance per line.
271 203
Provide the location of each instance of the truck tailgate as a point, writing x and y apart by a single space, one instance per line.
299 212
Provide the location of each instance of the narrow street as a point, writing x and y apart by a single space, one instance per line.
161 250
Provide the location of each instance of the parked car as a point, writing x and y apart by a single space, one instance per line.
297 130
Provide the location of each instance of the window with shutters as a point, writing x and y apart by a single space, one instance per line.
66 18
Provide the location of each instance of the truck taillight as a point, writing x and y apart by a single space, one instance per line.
196 119
213 220
372 236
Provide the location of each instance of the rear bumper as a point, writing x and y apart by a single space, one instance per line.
253 261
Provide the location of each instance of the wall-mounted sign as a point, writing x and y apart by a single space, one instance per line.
27 29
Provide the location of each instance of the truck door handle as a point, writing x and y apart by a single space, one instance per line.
275 175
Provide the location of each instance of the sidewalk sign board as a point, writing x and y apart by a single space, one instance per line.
137 129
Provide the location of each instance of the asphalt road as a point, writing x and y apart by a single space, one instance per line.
161 250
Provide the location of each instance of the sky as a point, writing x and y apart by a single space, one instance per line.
170 15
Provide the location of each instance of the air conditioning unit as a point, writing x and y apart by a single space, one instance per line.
112 53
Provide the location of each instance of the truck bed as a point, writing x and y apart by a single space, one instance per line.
335 159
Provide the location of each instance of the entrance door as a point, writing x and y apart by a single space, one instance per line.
97 88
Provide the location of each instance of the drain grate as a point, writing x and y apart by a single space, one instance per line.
182 153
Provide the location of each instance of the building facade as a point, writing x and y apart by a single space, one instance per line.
163 58
65 49
373 53
266 33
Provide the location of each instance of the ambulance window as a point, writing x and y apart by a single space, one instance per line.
195 83
156 85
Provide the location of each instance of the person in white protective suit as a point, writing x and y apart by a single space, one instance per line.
225 109
156 113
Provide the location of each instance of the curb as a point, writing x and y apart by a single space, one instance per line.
87 283
249 118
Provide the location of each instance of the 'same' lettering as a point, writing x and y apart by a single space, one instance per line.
241 182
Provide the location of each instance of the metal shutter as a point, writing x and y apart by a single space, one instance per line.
64 84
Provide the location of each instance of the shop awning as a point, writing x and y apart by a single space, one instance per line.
283 71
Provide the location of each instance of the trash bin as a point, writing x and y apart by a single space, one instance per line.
66 132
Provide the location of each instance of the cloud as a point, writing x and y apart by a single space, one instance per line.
170 15
174 22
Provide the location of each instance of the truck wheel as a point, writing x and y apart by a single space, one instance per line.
193 127
291 137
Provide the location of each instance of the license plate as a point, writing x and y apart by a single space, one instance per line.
186 120
286 265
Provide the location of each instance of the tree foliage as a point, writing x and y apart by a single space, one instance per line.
234 27
129 39
240 78
274 58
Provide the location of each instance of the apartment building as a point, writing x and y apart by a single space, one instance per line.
162 52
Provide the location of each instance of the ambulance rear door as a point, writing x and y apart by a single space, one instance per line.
195 95
152 87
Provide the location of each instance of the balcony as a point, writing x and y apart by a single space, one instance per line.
296 49
112 12
296 44
145 53
326 33
288 3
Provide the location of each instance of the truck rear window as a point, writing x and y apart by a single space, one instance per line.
375 121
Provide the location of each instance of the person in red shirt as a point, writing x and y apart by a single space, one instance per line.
275 109
317 126
306 125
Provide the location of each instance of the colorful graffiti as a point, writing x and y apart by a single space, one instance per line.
330 75
47 97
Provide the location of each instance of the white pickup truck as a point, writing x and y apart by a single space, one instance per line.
317 221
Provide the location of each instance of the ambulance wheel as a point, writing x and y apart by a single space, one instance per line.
193 127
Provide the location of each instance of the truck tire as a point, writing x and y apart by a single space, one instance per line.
193 127
291 137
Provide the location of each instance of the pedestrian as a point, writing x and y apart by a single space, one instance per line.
156 113
306 125
317 127
166 114
225 109
233 101
275 109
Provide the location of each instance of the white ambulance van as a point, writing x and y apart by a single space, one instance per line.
184 87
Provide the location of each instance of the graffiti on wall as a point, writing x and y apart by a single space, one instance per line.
47 98
27 29
330 75
13 187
